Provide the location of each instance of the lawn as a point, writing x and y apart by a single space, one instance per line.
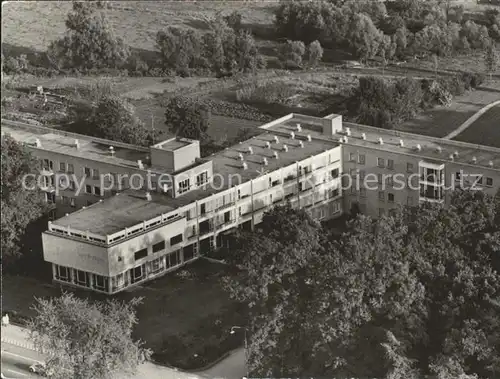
185 316
485 130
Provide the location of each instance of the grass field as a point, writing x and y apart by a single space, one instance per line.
34 24
484 131
183 314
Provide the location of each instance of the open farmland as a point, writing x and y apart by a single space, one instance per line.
34 24
485 130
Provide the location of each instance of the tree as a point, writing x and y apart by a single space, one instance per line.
87 340
491 59
22 203
186 118
403 296
111 117
234 20
314 53
291 54
89 42
364 37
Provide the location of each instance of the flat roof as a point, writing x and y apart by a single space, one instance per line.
172 144
113 214
57 141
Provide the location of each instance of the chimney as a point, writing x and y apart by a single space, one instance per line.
140 165
275 154
240 156
309 138
112 151
245 165
292 135
299 128
363 135
346 139
439 149
401 143
264 161
38 143
250 150
77 144
301 144
348 131
380 141
285 148
490 163
418 147
268 144
455 154
148 196
474 160
276 139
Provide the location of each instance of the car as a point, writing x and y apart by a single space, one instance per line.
39 368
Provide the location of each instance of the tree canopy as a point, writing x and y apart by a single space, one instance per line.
87 340
186 118
403 296
20 205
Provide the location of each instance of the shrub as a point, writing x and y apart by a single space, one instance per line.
266 93
291 54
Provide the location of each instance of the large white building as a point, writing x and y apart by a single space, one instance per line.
111 236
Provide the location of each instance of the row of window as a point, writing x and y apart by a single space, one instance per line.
472 178
201 180
159 246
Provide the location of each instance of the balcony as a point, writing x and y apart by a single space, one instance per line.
289 178
224 206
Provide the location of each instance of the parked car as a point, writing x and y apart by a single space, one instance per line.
39 368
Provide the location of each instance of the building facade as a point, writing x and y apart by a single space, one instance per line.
140 212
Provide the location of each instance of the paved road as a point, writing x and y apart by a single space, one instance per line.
17 360
233 367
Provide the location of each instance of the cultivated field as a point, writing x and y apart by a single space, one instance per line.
486 130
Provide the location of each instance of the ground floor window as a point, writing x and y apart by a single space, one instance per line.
81 277
157 265
189 252
137 273
101 282
62 273
118 281
173 259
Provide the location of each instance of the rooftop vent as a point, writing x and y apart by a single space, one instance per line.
301 144
148 196
299 128
240 156
380 141
165 188
309 138
490 163
285 148
276 139
250 150
348 131
244 165
418 147
401 143
38 143
451 157
345 139
268 144
264 161
77 144
474 160
292 135
112 151
140 165
455 153
341 139
275 154
439 149
363 135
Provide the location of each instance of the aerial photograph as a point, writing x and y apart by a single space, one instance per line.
228 189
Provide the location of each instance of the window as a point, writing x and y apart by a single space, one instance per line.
88 189
184 186
63 183
239 194
334 193
71 185
173 259
203 209
65 200
409 201
136 274
239 210
97 191
50 197
71 168
390 197
62 166
458 175
141 254
381 196
175 240
188 253
381 212
95 174
379 177
380 162
353 172
390 164
101 282
47 164
409 167
335 173
390 181
81 277
361 175
479 179
362 192
489 182
361 159
202 178
86 171
227 216
301 186
157 265
352 157
62 273
72 202
158 246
